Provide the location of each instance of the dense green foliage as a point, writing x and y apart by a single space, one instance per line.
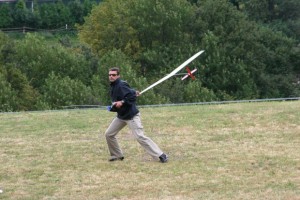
243 59
47 15
251 51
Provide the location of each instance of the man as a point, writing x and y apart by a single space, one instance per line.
124 103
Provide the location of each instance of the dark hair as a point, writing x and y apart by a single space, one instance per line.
116 69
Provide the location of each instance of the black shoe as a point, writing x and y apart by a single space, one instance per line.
115 159
163 158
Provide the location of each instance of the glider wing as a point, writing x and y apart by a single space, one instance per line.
190 73
173 72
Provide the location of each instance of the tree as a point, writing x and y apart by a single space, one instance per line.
280 15
225 71
143 30
7 48
7 95
16 93
48 16
195 92
157 35
26 95
38 58
236 3
240 50
55 15
288 10
20 14
87 6
62 91
5 16
107 24
63 12
28 63
76 11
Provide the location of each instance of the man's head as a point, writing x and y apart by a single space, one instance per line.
113 74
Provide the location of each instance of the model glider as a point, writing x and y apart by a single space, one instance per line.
173 72
189 73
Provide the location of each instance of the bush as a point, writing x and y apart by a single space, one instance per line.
7 97
37 58
64 91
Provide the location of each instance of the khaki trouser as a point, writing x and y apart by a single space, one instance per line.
136 128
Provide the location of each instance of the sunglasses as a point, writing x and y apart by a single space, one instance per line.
112 74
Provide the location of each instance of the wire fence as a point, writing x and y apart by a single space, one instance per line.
26 29
187 104
101 107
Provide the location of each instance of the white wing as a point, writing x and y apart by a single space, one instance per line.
174 71
194 70
184 77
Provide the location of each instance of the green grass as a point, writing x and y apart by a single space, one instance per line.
229 151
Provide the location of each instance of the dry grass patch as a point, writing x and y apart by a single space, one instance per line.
231 151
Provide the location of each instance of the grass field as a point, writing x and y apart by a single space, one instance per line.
228 151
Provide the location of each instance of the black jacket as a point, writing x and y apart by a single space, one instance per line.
121 91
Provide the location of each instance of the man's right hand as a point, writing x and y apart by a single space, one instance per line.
118 104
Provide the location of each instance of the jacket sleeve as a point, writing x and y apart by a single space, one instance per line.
129 94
